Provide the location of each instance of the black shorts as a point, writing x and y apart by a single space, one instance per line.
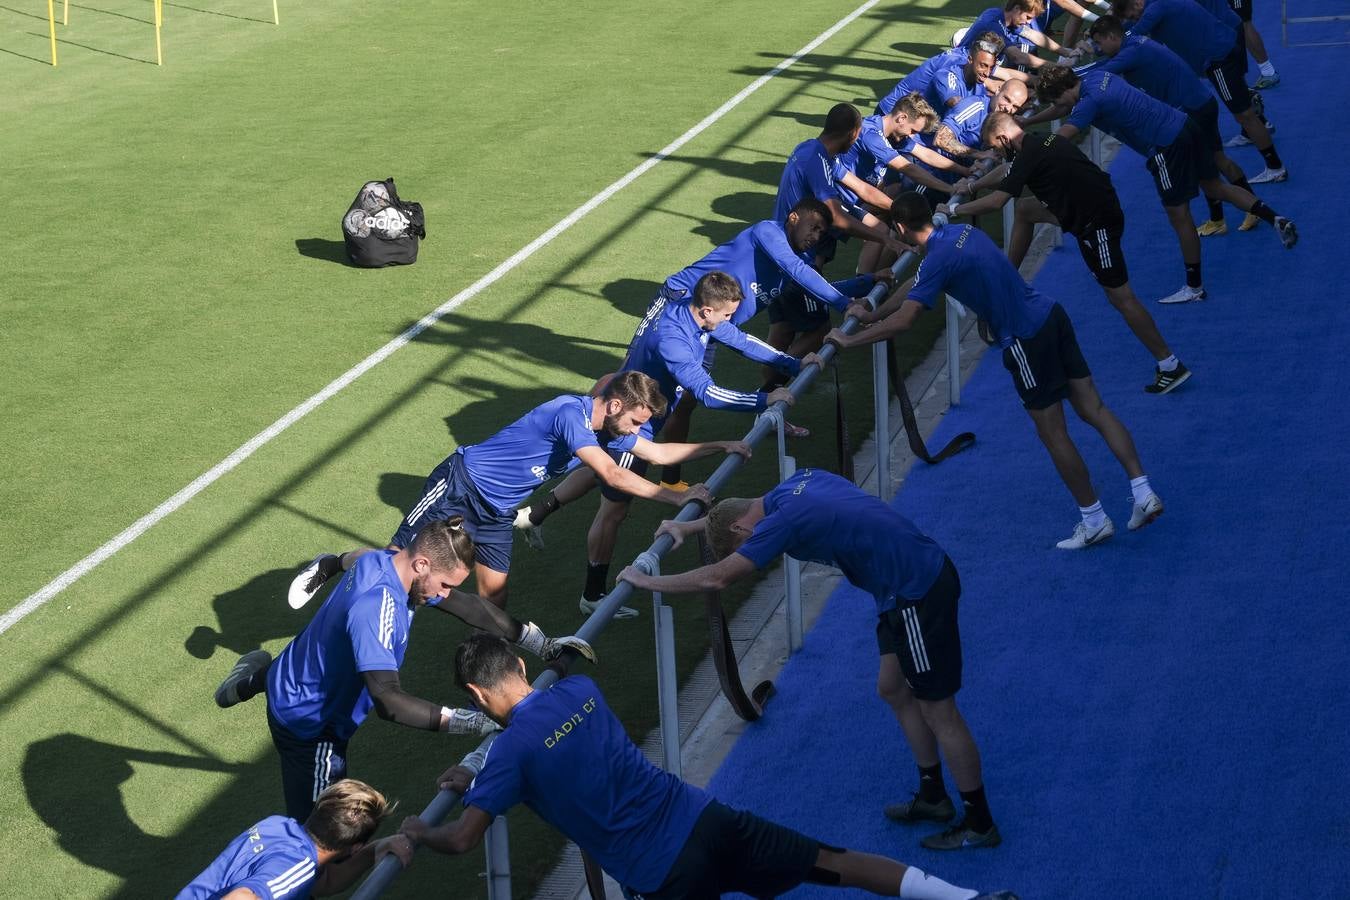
1179 167
798 310
625 460
1229 77
1243 8
729 851
1042 364
1206 117
308 765
927 639
450 492
1100 246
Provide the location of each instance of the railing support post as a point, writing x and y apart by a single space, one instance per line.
498 849
881 412
954 313
667 684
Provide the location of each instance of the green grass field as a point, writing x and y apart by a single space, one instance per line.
175 283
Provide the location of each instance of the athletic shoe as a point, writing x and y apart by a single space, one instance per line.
1212 228
1185 295
249 664
1084 537
311 578
1166 382
534 534
917 809
678 486
795 431
1146 512
959 837
999 895
1288 233
1269 176
1266 81
1249 221
625 612
1238 140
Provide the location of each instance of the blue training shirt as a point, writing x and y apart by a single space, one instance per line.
763 262
1188 30
538 446
949 83
991 20
811 171
966 120
363 626
817 516
1158 72
669 345
275 858
963 261
1126 113
918 80
566 756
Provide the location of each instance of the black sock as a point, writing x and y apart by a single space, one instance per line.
256 684
1215 209
545 508
596 576
1272 158
330 566
1193 275
1263 212
1243 184
671 474
977 816
931 789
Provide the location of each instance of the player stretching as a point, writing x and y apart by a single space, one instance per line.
486 482
1077 196
1173 146
280 857
1010 25
566 756
815 515
1039 350
1256 45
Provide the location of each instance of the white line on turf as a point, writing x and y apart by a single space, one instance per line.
145 522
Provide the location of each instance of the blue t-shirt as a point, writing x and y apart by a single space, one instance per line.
949 83
275 858
1184 27
992 20
566 756
363 626
811 171
963 261
1126 113
872 153
668 346
1158 72
918 80
966 120
763 263
819 517
540 445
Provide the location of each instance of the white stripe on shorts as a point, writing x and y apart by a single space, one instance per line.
917 650
425 503
1020 354
323 766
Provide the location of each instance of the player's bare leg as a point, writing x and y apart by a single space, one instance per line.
676 431
1053 430
491 585
1027 213
1137 317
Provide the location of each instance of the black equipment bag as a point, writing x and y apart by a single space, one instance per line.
380 229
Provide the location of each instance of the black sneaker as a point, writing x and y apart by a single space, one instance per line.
917 809
1166 382
249 664
959 837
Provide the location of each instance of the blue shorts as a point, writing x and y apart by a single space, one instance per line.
1052 12
449 492
308 765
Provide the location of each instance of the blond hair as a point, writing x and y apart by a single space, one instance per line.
915 107
346 815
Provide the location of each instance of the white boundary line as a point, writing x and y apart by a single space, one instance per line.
147 521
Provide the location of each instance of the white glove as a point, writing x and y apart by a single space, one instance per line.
533 639
1090 17
469 721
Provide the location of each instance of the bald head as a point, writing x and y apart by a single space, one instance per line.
1011 97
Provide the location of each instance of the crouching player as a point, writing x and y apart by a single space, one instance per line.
566 756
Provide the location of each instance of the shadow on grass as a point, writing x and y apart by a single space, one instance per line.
148 62
45 62
325 249
250 615
631 295
215 12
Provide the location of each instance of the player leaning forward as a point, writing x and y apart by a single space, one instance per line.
563 754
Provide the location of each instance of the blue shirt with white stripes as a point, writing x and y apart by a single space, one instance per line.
538 446
1188 30
872 153
918 80
949 83
1158 72
817 516
1107 101
763 262
963 261
992 20
274 859
811 171
567 757
966 120
316 684
669 345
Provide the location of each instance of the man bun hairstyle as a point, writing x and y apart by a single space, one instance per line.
724 541
1054 81
346 815
842 119
446 543
717 290
636 389
915 107
485 660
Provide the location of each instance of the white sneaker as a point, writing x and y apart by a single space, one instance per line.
1269 176
249 664
1185 295
534 534
1144 513
311 579
625 612
1086 537
1238 140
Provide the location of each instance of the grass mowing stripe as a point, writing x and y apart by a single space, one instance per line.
143 524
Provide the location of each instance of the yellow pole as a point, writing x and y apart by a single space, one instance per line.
159 20
65 12
275 19
51 27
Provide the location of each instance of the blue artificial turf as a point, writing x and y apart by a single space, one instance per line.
1165 715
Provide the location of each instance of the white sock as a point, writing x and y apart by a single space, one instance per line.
1267 67
918 886
1169 364
1140 488
1094 515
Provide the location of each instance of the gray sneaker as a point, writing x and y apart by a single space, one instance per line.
1144 513
916 809
249 664
959 837
1085 537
